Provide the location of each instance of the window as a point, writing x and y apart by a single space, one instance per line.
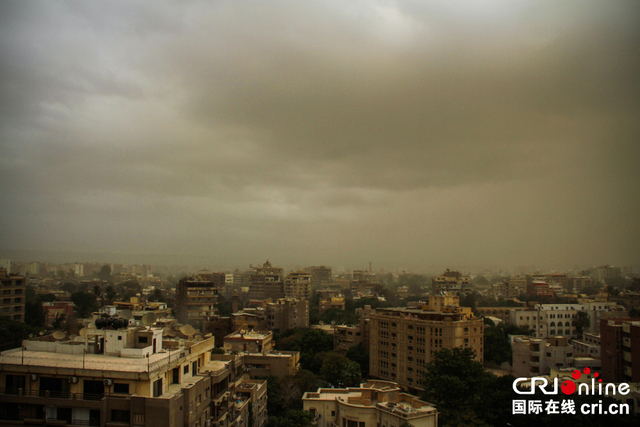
121 388
143 340
185 370
120 416
157 388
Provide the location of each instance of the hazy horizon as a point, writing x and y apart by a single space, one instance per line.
405 133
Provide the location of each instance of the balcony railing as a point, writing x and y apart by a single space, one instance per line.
50 394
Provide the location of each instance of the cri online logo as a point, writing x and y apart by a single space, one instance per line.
569 387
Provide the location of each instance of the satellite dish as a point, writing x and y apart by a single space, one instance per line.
149 319
83 332
126 314
168 332
59 335
41 333
91 326
73 337
30 335
187 330
321 322
79 339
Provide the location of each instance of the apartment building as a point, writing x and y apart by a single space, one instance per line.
588 346
347 336
620 350
260 358
450 281
321 276
298 285
374 403
402 340
14 289
532 356
196 297
124 375
329 299
266 282
287 313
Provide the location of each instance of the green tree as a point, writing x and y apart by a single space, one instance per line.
85 303
332 367
634 312
310 343
69 287
360 354
296 418
460 388
581 322
158 296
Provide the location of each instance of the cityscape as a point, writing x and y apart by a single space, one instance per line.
373 213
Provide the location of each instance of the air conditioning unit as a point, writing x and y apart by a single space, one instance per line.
73 380
108 381
33 377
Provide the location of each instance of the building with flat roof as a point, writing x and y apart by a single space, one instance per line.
533 357
260 358
620 349
403 340
121 375
196 297
374 403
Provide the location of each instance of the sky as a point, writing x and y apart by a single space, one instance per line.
402 133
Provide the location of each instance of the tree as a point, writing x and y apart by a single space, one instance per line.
85 303
105 272
69 287
360 354
460 388
110 295
634 312
332 368
158 296
581 322
310 343
296 418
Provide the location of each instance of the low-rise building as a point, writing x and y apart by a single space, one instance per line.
532 356
260 358
374 403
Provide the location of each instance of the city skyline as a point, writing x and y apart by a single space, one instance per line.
402 133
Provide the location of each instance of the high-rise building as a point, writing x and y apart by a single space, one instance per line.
287 313
298 285
321 276
13 296
266 282
403 340
196 297
620 350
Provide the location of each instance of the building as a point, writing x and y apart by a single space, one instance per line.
374 403
329 299
267 282
539 288
122 375
450 281
298 285
347 336
534 357
57 310
620 350
287 313
402 340
547 320
196 297
321 276
589 346
260 358
14 289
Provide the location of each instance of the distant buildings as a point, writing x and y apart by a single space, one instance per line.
450 281
374 403
260 358
278 316
321 276
13 296
266 282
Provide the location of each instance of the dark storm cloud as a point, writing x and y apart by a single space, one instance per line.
323 131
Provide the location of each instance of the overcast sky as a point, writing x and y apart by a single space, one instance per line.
406 133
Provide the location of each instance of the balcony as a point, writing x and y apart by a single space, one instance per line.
49 394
